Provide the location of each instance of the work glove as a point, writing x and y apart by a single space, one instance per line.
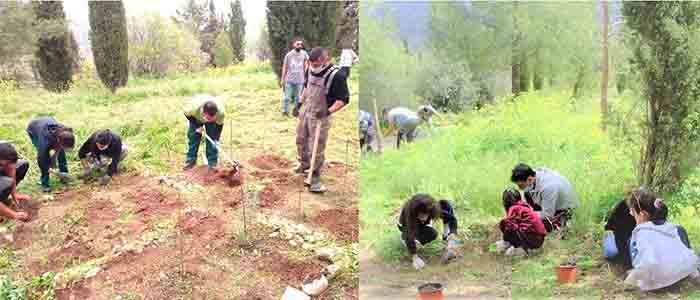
64 177
199 130
295 111
418 263
104 180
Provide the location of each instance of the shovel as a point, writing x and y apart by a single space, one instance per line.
216 145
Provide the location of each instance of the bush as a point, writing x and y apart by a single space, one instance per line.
223 53
158 47
445 84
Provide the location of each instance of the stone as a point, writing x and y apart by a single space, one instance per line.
291 293
326 253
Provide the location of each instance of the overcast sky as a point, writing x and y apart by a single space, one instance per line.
77 13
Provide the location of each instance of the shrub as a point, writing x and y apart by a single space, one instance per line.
158 47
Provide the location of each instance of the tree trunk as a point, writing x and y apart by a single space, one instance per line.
515 51
604 68
537 79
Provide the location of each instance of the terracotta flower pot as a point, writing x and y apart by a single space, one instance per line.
566 274
430 291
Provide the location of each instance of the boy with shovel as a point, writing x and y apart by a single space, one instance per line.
326 92
204 113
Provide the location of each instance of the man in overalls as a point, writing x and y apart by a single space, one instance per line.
325 93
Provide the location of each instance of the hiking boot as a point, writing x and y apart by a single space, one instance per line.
189 165
317 188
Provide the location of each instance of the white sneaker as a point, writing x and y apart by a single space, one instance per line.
502 246
512 251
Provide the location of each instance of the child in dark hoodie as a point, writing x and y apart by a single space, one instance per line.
48 135
522 228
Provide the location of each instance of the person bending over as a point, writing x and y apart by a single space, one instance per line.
415 224
522 228
103 147
48 135
12 171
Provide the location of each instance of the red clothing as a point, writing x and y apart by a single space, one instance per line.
522 218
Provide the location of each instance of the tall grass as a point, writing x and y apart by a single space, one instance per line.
471 161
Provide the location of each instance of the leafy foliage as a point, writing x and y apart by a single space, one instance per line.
663 38
158 47
55 52
313 21
110 45
223 54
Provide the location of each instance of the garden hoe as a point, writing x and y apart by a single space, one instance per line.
231 174
317 133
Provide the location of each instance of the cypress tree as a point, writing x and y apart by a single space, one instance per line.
236 31
110 45
313 21
54 53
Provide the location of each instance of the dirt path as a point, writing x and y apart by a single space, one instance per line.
382 281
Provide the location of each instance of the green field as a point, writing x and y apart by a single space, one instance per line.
468 160
72 236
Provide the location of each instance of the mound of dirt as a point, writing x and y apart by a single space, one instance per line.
232 176
101 213
152 202
291 272
228 176
71 253
75 291
270 196
342 223
202 229
270 162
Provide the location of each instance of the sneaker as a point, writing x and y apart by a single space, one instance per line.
317 188
516 252
45 189
189 165
502 246
307 183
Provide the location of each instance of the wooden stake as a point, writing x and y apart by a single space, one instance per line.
243 203
230 137
301 208
377 127
345 178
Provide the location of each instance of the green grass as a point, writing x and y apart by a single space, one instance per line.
470 161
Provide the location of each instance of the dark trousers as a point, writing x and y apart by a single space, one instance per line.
520 239
424 234
194 139
60 156
346 71
6 182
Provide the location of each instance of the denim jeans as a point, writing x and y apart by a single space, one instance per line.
291 95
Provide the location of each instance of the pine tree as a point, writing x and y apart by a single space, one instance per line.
54 55
236 31
313 21
110 45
